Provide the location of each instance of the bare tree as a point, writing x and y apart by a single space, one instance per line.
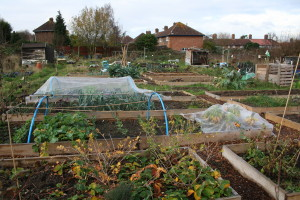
223 35
94 25
272 36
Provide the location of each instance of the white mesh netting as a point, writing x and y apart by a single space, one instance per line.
59 86
228 117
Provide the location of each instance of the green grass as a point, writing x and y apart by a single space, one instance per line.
267 101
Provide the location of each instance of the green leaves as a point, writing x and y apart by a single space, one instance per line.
63 127
230 79
119 71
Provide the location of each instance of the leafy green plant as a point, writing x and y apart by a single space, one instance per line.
230 79
280 161
119 71
62 127
21 133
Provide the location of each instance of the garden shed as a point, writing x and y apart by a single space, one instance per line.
35 52
196 56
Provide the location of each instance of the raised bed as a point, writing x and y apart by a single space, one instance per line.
276 110
103 145
29 162
233 94
287 121
179 95
230 153
177 79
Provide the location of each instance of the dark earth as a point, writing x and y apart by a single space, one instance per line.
255 92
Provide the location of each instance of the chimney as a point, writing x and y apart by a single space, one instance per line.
174 23
51 19
214 36
233 36
266 37
250 36
165 28
291 40
156 30
148 32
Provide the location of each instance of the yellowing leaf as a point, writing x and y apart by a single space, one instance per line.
191 167
227 185
216 174
176 179
190 192
196 187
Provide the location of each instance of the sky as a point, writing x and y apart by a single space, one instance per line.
238 17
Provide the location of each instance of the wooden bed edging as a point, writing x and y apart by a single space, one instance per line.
277 110
25 162
230 153
285 122
225 98
109 115
102 145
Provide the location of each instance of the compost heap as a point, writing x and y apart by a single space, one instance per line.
63 86
227 118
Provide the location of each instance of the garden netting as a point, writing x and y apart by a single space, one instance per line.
227 118
74 87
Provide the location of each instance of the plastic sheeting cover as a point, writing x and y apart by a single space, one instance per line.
85 85
227 118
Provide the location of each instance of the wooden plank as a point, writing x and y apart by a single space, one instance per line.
106 114
230 153
285 122
103 145
278 110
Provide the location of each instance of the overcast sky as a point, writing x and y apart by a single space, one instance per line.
135 16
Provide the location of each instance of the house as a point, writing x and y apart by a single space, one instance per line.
37 52
240 43
45 32
126 40
179 36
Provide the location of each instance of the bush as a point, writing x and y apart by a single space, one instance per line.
230 80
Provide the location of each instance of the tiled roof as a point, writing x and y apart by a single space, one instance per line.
48 26
126 40
264 42
137 37
179 29
230 42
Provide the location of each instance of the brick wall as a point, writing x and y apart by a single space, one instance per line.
179 42
44 37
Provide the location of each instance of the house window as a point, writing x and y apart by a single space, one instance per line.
167 39
160 40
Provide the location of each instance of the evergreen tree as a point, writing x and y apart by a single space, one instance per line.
5 31
148 41
61 36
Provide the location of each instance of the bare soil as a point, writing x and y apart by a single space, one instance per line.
210 99
255 92
173 93
292 117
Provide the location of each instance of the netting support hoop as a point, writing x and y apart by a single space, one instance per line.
163 107
34 116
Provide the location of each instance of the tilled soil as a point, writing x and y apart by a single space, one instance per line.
255 92
293 117
244 187
182 104
173 93
211 99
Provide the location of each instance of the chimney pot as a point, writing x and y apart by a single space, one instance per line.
266 37
250 36
233 36
51 19
148 32
165 28
156 30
